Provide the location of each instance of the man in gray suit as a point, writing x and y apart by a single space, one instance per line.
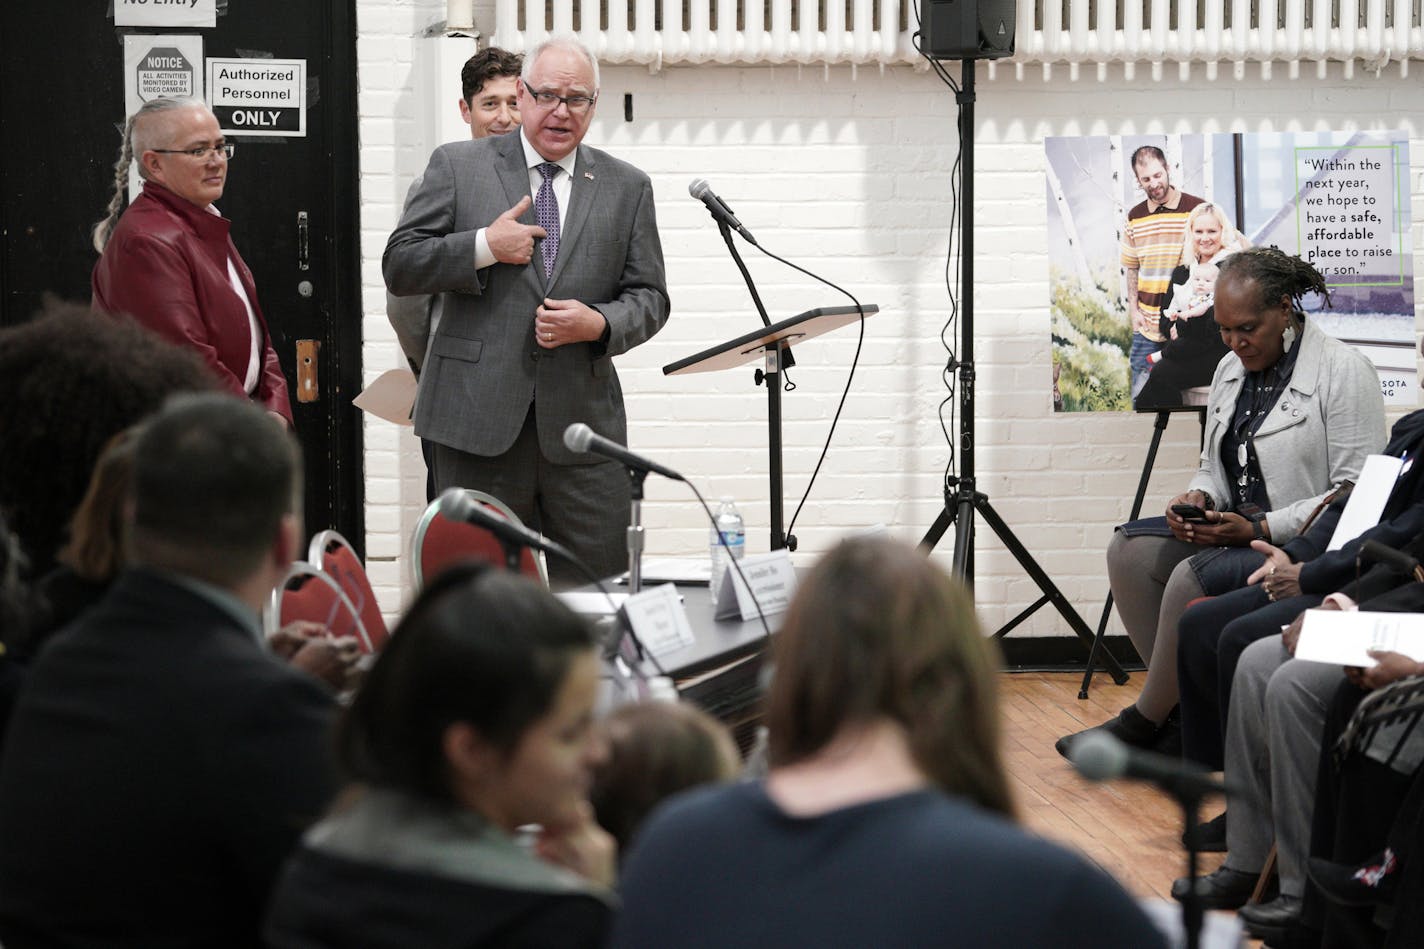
547 256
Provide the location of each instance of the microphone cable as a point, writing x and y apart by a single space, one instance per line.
850 378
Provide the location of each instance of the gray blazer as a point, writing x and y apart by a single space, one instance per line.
1330 418
484 367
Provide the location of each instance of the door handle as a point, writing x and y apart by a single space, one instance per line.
308 389
303 241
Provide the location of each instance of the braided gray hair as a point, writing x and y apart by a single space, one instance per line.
139 133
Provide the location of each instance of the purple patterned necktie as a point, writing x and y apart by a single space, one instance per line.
546 215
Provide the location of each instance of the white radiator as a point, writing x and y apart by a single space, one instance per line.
1372 33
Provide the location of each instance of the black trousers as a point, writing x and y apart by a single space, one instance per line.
1211 637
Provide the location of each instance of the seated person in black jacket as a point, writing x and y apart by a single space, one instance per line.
476 720
1297 576
160 763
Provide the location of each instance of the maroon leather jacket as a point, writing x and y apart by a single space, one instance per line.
166 266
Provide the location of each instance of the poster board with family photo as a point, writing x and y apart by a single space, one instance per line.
1338 199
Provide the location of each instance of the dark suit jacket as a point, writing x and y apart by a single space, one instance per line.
484 366
158 768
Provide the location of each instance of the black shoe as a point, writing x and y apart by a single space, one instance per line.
1169 737
1271 921
1224 888
1210 836
1130 727
1367 884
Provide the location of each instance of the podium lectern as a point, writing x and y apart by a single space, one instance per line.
773 344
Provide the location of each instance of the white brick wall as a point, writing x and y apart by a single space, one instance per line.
846 172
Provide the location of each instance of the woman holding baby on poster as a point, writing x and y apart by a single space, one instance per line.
1194 345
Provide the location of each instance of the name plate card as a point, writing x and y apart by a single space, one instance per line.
772 582
659 619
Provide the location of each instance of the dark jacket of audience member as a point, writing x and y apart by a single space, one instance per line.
474 721
69 382
160 763
885 818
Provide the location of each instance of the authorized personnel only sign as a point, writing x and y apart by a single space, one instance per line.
259 96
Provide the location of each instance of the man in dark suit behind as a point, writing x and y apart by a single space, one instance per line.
161 763
547 256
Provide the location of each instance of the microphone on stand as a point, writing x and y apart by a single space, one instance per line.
1101 757
1372 551
721 213
578 437
456 505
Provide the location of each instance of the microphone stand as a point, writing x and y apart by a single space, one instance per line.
778 358
636 477
1193 913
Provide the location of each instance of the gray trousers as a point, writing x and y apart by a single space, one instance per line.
1273 734
1152 583
583 507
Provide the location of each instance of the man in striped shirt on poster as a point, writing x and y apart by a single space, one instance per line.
1151 247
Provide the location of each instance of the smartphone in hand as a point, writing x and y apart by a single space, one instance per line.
1189 512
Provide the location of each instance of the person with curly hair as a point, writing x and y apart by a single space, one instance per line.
69 382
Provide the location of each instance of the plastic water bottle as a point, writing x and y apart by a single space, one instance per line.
733 531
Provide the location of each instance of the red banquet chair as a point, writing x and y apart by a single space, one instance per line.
305 592
439 542
334 555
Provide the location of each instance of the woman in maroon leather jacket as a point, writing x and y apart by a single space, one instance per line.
170 263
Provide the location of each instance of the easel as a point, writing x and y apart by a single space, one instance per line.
1158 428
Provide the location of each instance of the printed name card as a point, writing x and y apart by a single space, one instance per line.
659 619
772 582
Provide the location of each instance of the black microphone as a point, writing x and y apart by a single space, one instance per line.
1101 757
1372 551
456 505
582 439
702 191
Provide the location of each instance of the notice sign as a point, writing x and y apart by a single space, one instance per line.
259 96
165 12
156 67
1347 217
161 67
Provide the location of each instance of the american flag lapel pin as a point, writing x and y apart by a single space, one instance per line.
588 175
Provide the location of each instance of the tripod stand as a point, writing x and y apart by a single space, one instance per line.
961 499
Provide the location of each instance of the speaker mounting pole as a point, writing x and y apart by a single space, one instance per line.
962 500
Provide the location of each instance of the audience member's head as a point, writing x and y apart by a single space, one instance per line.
70 381
1272 279
878 632
96 532
482 699
489 93
654 750
214 487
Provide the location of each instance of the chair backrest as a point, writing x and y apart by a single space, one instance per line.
334 555
439 542
305 592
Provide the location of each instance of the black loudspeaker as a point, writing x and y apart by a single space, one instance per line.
967 29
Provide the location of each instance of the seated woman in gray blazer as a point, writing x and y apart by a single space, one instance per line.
1293 413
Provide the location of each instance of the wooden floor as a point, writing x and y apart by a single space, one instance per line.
1128 828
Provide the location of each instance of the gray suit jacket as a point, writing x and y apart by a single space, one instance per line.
484 367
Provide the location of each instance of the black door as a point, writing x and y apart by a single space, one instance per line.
292 200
